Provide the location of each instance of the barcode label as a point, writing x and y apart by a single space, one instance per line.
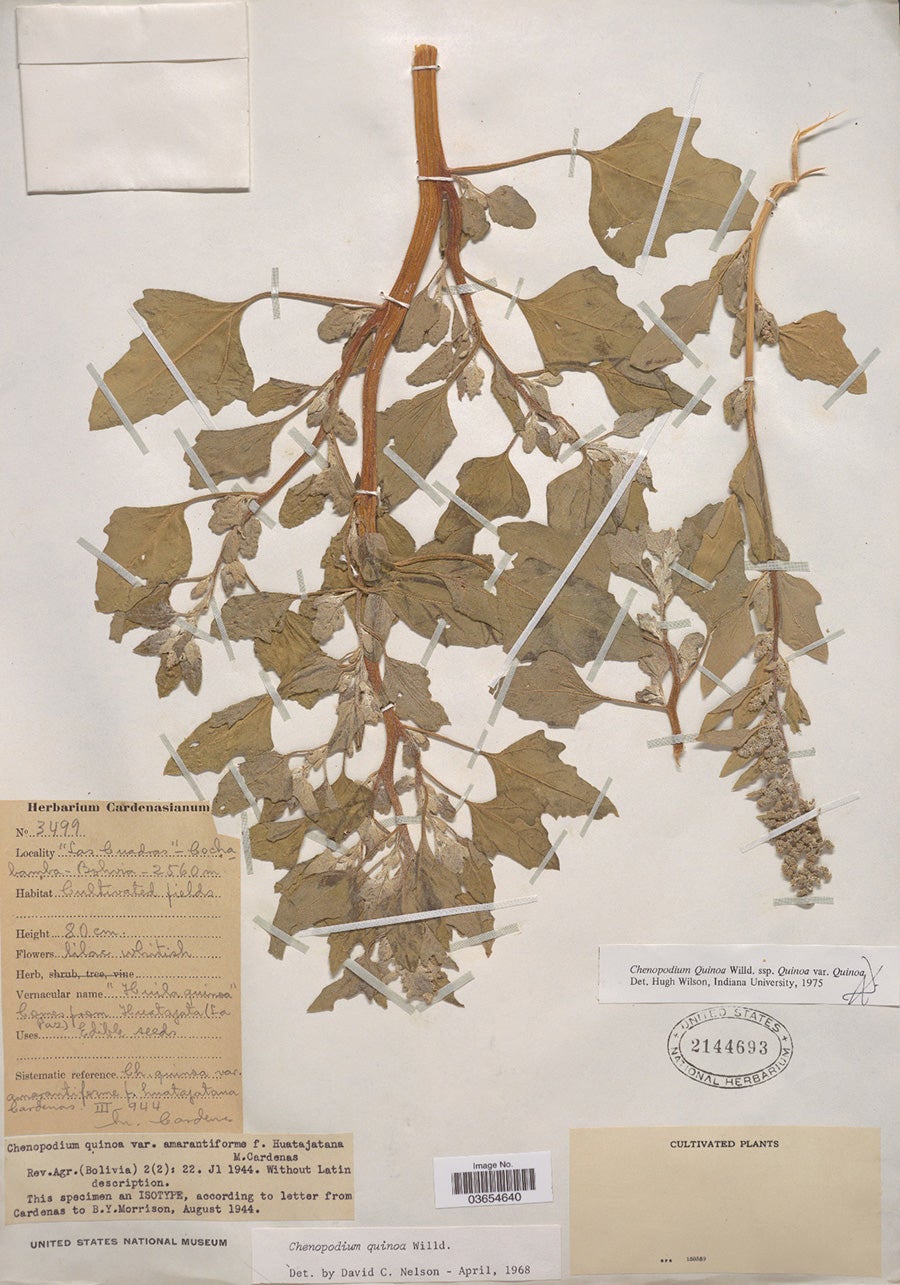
480 1180
503 1179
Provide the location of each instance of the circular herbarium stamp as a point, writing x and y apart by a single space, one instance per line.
730 1046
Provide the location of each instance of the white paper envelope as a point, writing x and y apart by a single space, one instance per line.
122 97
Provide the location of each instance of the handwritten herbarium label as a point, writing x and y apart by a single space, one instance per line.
121 1002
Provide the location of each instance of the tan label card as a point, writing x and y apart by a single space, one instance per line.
786 1200
119 933
275 1177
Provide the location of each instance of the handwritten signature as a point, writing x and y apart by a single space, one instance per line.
867 985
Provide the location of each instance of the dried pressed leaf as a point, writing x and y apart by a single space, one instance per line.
436 366
749 485
408 686
532 772
451 591
493 486
152 543
255 615
427 321
421 430
551 691
241 729
202 338
307 499
508 207
799 625
288 647
627 178
498 829
630 389
315 676
276 394
687 310
581 319
814 348
342 321
234 452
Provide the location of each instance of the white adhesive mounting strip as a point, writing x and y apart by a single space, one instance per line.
586 543
312 451
550 854
466 508
462 980
191 628
259 512
375 982
574 156
473 757
472 287
242 784
826 638
732 210
800 820
462 799
515 298
276 301
801 754
776 564
301 583
413 475
842 388
246 845
282 936
803 902
466 942
173 370
125 421
182 768
435 638
582 441
432 178
431 66
673 624
276 698
135 581
501 693
392 821
596 806
670 174
613 630
497 572
714 678
692 575
697 397
681 738
196 461
223 632
446 912
670 334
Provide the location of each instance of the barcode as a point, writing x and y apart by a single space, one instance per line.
479 1181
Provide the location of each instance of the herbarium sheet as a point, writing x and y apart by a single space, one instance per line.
450 620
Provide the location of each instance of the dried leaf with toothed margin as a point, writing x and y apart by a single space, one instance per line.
233 452
473 208
287 647
203 340
749 485
408 686
342 321
451 591
531 771
814 348
581 319
421 430
629 389
499 830
795 711
798 623
307 499
723 532
550 691
455 531
152 543
468 383
314 893
690 650
427 321
734 407
687 310
328 618
254 615
627 178
507 207
436 366
244 728
316 675
633 423
492 485
276 394
734 280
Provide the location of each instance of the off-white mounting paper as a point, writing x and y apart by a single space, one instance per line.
134 96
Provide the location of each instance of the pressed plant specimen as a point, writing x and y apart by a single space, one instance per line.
393 842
